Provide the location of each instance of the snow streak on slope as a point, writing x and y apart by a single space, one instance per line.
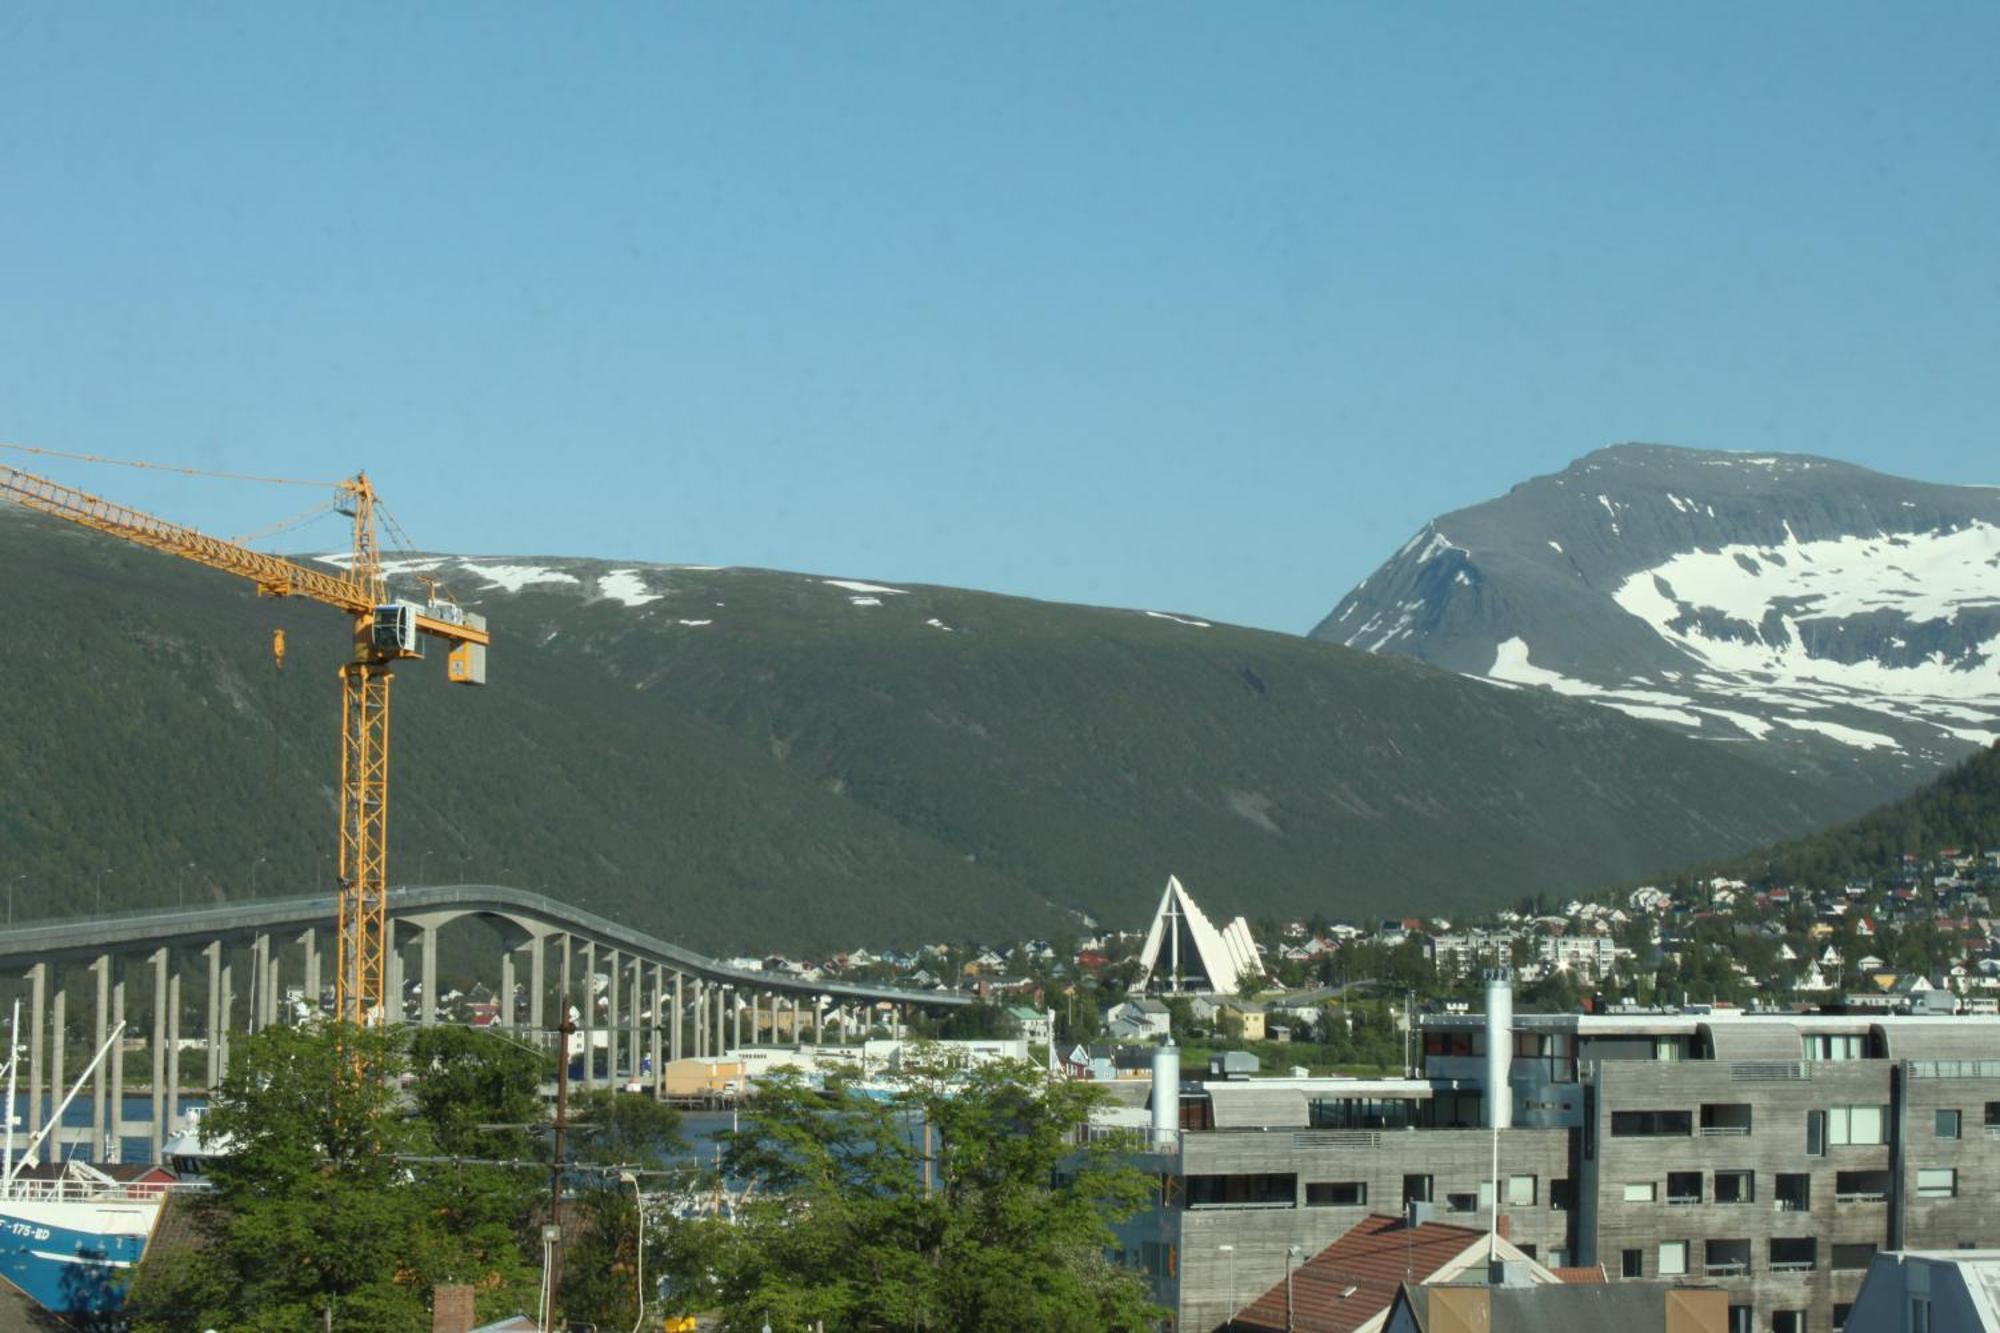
1774 619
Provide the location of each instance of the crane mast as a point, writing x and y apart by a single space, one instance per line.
385 632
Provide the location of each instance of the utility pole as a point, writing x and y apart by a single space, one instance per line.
554 1235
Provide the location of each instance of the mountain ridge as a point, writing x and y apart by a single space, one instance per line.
1838 620
741 758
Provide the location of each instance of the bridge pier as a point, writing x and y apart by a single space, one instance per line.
260 981
538 981
100 1086
653 1018
589 1014
156 1131
613 1031
636 1039
309 941
115 1150
170 1111
819 1020
213 951
680 1013
59 1025
427 973
38 997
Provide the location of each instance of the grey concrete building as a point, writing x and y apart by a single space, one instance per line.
1773 1155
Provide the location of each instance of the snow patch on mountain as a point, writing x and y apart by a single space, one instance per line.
513 578
855 585
1745 609
1866 740
1180 620
624 585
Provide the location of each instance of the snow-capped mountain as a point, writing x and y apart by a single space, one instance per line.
1839 620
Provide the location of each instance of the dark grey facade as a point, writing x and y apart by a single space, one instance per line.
1772 1155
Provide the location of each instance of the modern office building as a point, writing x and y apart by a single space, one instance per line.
1772 1154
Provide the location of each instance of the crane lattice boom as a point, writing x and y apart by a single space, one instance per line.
385 632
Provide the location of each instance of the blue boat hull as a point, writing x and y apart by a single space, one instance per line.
74 1257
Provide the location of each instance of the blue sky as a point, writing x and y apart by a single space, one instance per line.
1195 307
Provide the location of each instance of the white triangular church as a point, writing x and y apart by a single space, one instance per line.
1186 954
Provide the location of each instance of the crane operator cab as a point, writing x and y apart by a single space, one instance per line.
395 630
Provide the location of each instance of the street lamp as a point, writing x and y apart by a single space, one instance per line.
100 889
17 880
423 862
639 1212
255 866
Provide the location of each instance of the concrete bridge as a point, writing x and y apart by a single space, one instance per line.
662 1002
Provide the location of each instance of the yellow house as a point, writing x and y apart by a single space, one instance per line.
1244 1020
701 1078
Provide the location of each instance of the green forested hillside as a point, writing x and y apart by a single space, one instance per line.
757 759
1959 809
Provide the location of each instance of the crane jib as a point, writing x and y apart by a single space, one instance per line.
391 630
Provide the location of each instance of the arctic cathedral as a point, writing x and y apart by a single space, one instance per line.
1186 954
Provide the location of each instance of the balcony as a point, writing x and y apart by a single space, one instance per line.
1726 1258
1794 1254
1862 1187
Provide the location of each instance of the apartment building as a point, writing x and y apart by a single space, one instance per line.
1771 1154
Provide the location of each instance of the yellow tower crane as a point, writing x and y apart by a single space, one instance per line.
386 631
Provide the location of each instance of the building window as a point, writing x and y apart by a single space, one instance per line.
1993 1115
1416 1189
1835 1046
1794 1192
1861 1186
1267 1190
1336 1193
1947 1124
1920 1314
1854 1255
1937 1182
1461 1203
1520 1191
1562 1194
1788 1321
1683 1187
1742 1319
1643 1191
1853 1125
1735 1187
1673 1258
1651 1124
1631 1263
1840 1312
1815 1133
1725 1119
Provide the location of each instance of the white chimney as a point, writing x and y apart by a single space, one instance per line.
1166 1096
1499 1047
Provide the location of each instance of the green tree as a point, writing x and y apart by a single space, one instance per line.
325 1202
958 1203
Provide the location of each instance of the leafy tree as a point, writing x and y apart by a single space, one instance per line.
324 1203
958 1203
